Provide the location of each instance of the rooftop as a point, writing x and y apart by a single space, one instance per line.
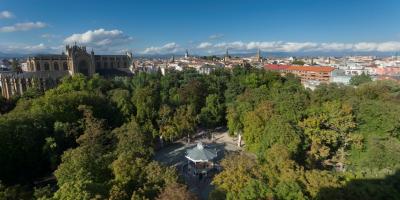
299 68
200 153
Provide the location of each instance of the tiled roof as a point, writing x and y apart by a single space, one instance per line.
299 68
275 67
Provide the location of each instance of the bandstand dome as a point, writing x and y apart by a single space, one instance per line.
199 153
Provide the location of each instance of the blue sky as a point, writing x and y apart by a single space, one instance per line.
203 27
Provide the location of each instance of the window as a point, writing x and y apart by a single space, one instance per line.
55 65
105 64
37 66
112 65
65 66
46 66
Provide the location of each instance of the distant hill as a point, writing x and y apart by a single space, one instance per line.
279 54
12 55
244 54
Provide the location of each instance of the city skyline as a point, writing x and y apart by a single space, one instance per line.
205 27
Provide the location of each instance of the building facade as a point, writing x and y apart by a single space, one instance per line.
319 74
78 60
13 84
46 70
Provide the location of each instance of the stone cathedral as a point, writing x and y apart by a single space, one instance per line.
45 71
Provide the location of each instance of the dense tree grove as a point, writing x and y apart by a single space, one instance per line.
94 138
322 144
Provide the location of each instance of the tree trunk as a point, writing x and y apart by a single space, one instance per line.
239 140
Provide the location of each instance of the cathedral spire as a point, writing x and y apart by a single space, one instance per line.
258 55
187 54
226 55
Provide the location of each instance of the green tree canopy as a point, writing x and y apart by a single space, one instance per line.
360 79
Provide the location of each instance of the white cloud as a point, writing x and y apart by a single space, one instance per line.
171 47
204 45
280 46
100 39
232 45
28 49
215 36
6 14
49 36
389 46
23 26
335 47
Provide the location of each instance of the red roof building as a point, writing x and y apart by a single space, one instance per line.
306 73
275 67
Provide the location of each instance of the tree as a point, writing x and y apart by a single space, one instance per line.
14 192
121 97
43 193
263 128
243 104
22 137
239 171
7 104
132 140
32 93
382 154
212 114
193 93
298 62
371 188
168 130
290 98
128 170
176 191
146 102
360 79
84 170
256 189
378 117
329 131
185 120
234 88
134 175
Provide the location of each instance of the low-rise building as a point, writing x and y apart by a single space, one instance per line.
321 74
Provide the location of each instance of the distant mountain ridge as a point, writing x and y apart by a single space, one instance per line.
250 54
13 55
277 54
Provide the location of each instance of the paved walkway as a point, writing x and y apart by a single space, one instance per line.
174 155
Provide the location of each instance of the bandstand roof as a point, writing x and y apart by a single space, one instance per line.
199 153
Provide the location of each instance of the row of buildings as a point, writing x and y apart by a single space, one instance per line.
45 71
379 68
202 64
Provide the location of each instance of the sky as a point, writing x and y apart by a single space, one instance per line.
204 27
